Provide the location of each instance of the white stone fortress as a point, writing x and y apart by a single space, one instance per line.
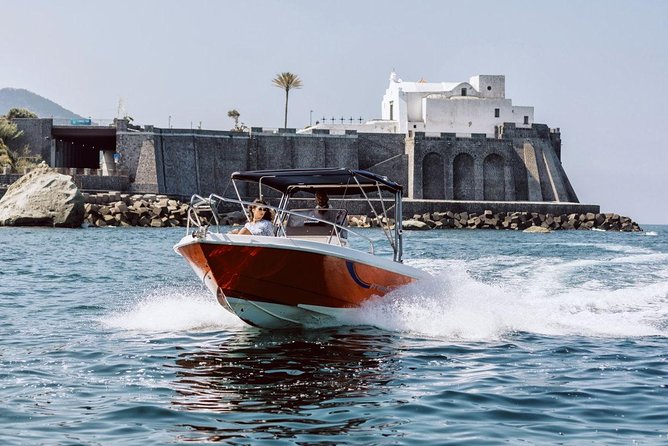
478 106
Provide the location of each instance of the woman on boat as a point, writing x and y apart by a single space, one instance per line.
260 223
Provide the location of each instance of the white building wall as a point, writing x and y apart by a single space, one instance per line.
402 115
489 86
465 116
519 113
414 108
441 107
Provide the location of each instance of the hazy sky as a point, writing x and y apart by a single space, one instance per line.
598 70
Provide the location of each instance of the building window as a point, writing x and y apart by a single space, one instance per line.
463 91
391 110
414 126
497 112
489 88
526 120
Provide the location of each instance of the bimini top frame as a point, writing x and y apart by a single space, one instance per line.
348 183
354 182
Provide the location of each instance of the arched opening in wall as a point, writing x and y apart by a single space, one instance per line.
464 177
494 180
433 177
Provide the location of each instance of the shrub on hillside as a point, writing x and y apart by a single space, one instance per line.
20 113
5 155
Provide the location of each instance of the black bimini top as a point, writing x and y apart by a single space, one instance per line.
331 180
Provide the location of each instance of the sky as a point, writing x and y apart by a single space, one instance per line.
596 69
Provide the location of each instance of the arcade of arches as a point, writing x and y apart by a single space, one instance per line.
434 177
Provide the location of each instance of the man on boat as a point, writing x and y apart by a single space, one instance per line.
324 212
321 204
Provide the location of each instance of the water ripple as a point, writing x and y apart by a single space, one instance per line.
515 341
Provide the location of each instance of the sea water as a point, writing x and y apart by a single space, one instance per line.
107 337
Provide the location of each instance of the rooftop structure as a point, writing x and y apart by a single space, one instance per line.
477 106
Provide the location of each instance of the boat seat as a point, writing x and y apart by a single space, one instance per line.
304 225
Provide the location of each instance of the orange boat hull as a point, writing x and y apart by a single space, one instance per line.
289 277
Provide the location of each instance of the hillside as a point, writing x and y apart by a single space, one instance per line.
20 98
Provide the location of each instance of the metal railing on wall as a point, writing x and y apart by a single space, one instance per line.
84 122
118 172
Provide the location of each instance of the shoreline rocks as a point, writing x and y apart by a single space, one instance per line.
144 210
120 209
518 221
159 211
42 197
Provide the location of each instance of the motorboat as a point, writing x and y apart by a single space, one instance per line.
314 270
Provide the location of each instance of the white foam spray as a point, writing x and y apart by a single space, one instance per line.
172 309
533 297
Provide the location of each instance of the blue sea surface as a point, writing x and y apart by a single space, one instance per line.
107 337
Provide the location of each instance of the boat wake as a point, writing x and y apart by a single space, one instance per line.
621 293
456 305
172 309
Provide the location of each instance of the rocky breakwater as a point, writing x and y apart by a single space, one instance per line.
521 221
149 210
146 210
511 221
42 197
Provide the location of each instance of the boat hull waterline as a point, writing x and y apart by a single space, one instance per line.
280 283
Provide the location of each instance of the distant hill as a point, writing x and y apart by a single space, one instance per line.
44 108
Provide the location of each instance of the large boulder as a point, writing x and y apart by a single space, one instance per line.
537 229
42 197
414 225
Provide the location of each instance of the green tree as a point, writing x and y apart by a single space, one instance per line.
234 114
238 127
8 130
287 81
6 158
20 158
20 113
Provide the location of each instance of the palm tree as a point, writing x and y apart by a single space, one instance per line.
234 114
287 81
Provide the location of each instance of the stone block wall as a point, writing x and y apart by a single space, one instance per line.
101 183
450 168
85 182
131 146
376 148
183 162
36 135
176 163
216 158
518 165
